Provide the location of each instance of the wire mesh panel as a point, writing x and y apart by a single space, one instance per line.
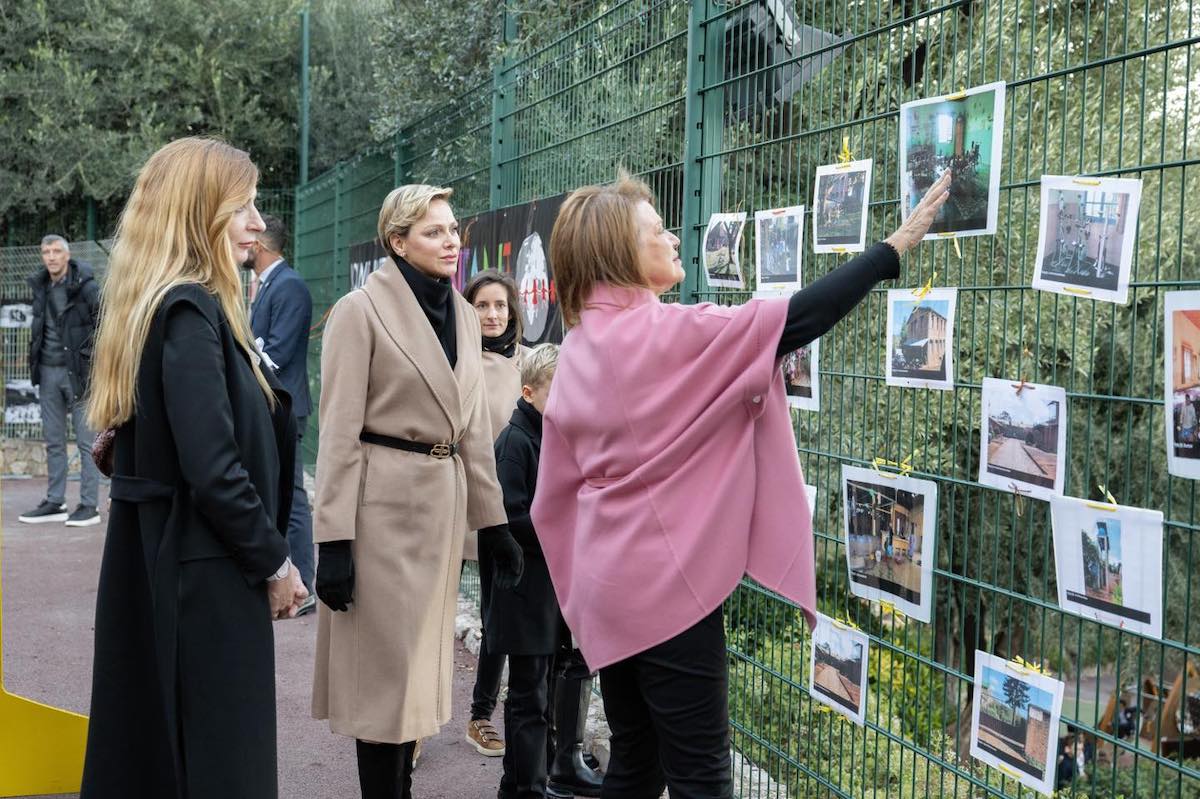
1092 89
452 147
607 94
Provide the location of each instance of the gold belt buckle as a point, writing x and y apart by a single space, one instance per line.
441 451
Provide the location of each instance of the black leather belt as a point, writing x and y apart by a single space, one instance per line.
439 451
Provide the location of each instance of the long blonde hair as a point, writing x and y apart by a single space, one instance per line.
173 232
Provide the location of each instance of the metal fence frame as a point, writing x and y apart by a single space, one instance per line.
1092 89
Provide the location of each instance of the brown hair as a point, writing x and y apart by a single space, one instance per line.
486 278
595 240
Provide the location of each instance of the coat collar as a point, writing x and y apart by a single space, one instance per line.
608 296
401 316
526 418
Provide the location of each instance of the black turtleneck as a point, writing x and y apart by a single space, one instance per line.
436 298
504 344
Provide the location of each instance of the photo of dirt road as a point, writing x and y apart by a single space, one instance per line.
838 664
1024 437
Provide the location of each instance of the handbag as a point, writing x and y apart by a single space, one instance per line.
102 451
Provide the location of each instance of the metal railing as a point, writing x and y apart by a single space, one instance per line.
685 95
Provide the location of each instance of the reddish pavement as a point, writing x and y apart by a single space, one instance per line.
49 582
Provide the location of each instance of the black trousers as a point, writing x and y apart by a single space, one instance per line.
487 682
668 709
526 727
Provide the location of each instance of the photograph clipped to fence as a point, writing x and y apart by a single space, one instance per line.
1181 382
1023 438
778 249
839 208
1014 721
890 524
1086 237
722 240
1108 563
838 665
920 340
962 133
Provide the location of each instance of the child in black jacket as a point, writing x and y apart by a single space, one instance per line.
524 622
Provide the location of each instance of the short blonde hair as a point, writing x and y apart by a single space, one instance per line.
538 365
595 240
404 206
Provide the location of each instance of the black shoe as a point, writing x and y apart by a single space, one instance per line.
46 512
83 516
568 773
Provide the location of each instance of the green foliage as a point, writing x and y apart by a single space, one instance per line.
1016 694
89 89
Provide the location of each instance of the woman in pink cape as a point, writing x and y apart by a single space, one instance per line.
669 469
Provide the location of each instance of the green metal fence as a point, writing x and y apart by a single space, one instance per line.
682 94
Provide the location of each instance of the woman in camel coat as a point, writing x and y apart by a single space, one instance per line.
405 467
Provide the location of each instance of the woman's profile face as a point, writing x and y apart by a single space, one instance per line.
491 303
244 228
432 242
658 250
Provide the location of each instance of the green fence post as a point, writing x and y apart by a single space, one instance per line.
304 42
502 189
399 170
339 232
702 125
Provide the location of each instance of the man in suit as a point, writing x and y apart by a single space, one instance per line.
280 317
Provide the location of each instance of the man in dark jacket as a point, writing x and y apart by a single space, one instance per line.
66 299
280 318
524 622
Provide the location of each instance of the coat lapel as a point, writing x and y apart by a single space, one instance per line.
406 325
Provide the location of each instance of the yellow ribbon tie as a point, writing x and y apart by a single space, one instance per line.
928 287
1035 668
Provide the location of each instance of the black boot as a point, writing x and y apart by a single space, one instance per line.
569 774
385 770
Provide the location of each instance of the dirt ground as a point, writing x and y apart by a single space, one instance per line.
49 577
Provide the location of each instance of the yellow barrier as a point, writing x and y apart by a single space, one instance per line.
41 747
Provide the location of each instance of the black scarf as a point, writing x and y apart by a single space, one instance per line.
504 344
436 298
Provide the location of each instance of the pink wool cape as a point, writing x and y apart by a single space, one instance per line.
668 470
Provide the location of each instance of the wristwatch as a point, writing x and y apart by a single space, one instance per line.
282 571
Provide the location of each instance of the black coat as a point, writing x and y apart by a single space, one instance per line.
78 323
183 684
524 620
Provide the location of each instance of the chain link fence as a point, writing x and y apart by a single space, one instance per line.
731 107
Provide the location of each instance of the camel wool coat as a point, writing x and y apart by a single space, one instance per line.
502 376
383 668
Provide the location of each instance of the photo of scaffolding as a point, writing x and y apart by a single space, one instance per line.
1086 239
889 529
921 338
961 133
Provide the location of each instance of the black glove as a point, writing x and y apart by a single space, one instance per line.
335 575
508 562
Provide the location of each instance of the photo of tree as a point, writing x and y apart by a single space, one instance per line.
839 208
1015 720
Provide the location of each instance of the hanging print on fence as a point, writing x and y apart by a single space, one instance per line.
839 207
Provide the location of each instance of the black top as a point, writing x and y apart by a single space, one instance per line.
814 310
56 306
436 298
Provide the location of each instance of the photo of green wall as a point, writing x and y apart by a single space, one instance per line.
955 135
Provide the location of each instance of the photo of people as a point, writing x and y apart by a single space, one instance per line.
1181 383
961 133
1086 238
778 248
1014 720
838 665
1108 561
1023 437
800 378
889 529
840 197
722 241
921 338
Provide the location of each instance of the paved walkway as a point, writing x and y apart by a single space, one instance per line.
49 582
